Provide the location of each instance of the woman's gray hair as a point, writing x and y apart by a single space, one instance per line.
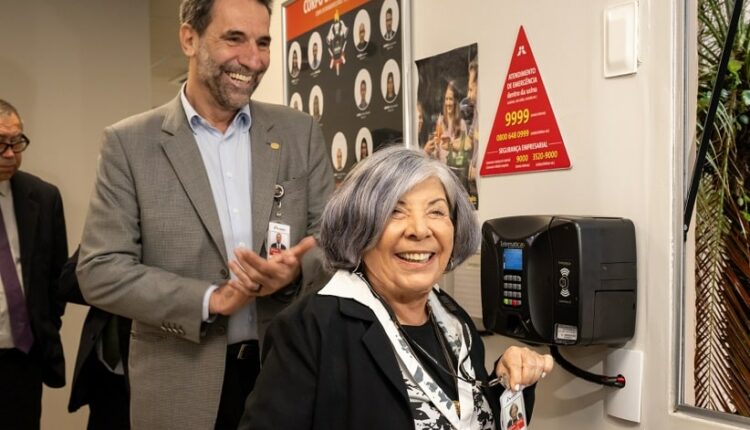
359 210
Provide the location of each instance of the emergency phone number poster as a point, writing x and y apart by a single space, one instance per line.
525 136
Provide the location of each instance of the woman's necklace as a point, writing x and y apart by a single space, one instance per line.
448 359
412 344
451 371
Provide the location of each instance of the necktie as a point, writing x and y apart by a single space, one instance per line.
20 325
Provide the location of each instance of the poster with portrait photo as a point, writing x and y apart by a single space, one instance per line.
339 156
315 103
358 79
363 144
363 89
389 19
314 51
295 102
390 82
446 116
295 57
362 31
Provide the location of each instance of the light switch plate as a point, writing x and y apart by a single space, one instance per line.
621 39
625 403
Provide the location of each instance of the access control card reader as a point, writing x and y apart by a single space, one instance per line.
559 280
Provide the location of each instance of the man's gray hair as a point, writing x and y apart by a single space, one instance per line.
197 13
359 210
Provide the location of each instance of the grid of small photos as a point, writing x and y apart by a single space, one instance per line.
346 73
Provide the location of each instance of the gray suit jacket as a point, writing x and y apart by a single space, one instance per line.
152 245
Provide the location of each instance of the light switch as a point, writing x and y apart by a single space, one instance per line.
621 39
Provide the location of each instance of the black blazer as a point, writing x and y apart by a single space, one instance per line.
44 249
93 327
328 364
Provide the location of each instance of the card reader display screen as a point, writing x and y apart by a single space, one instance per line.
513 259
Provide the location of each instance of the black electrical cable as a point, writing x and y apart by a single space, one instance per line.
609 381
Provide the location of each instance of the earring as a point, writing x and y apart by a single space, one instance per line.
356 268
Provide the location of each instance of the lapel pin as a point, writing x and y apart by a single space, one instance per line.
275 145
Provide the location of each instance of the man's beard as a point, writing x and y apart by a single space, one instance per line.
225 94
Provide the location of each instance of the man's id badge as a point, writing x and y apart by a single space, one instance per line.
278 238
512 411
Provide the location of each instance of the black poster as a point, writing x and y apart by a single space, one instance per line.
343 67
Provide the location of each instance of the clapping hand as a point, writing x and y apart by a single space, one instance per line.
256 276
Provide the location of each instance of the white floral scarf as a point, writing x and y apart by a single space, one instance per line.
431 407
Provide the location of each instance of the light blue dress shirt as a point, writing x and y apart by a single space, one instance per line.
226 157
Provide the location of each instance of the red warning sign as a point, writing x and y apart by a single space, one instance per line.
525 136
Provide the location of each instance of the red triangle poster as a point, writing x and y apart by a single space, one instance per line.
525 136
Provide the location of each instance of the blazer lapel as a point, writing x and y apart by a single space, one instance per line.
183 153
26 209
377 344
265 154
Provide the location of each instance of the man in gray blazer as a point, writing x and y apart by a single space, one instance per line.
176 235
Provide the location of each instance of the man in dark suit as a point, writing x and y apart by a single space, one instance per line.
33 248
390 33
277 246
315 60
362 43
363 95
100 376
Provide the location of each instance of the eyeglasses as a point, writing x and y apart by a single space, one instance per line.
16 144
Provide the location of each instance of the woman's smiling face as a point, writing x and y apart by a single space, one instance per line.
415 246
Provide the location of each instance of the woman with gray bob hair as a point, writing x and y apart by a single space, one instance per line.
381 345
360 207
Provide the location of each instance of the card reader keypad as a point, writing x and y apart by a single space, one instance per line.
512 290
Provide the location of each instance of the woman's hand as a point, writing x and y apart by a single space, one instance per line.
429 147
520 367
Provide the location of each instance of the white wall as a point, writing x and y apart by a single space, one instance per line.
71 68
620 135
271 88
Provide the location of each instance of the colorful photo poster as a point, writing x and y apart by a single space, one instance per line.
447 126
343 67
525 136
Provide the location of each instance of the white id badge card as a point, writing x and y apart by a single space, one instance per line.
512 411
278 238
